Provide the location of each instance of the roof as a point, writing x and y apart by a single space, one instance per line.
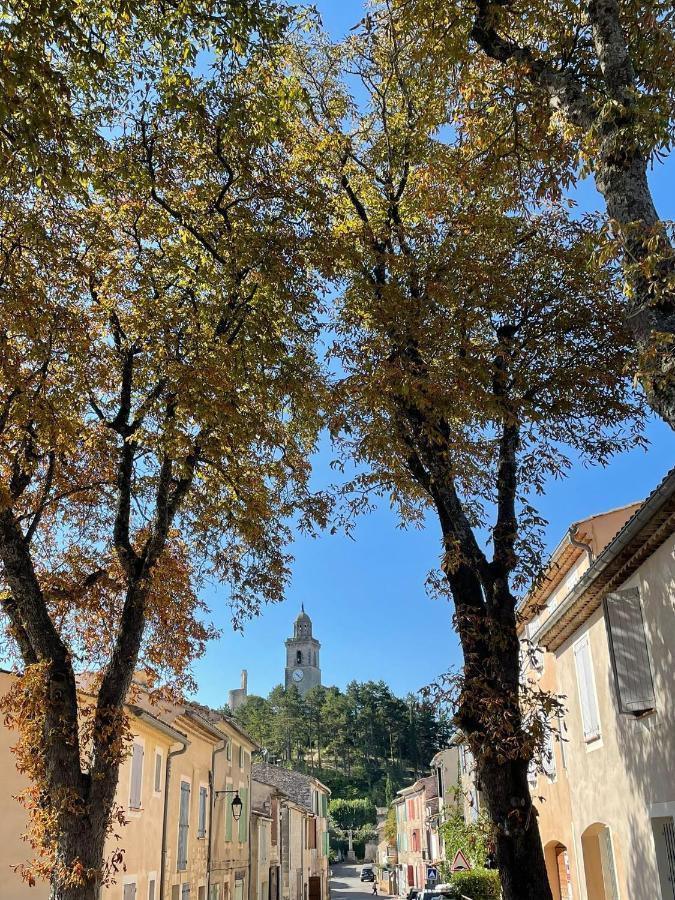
642 534
214 716
582 536
294 784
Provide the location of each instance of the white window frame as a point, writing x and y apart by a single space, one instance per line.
158 752
134 811
595 742
130 879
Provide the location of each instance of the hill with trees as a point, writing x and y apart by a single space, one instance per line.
363 742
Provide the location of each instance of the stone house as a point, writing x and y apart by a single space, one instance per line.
304 850
604 618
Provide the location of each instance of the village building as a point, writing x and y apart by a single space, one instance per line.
181 840
303 828
604 618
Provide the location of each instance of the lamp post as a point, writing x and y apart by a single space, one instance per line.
237 804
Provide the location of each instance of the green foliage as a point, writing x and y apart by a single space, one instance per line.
352 814
364 742
474 840
479 884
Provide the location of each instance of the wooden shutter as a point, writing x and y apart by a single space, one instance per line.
548 755
628 647
589 707
136 777
151 889
130 891
158 772
275 821
183 825
243 820
228 812
201 825
185 892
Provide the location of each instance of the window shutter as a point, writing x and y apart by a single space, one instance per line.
548 755
185 892
243 820
158 772
275 821
228 812
201 826
630 657
136 777
183 825
130 891
151 889
589 707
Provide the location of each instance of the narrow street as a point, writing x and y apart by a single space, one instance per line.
346 884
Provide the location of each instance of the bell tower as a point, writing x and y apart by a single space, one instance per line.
303 668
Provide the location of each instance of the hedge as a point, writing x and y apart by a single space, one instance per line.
479 884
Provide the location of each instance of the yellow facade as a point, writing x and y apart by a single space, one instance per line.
180 755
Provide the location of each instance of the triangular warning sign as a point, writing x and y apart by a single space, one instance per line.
460 863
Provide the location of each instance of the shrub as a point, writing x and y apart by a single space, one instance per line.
479 884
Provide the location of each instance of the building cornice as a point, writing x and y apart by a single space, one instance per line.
642 534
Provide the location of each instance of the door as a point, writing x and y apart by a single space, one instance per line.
274 883
664 840
314 887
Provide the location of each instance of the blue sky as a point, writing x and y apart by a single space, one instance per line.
366 594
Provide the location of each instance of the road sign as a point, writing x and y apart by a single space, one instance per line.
460 863
432 873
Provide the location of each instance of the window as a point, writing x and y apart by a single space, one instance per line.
183 826
589 705
152 886
185 892
228 811
215 892
228 751
175 892
628 649
548 756
130 890
201 893
439 783
562 739
298 657
241 757
243 820
158 772
608 866
201 823
136 776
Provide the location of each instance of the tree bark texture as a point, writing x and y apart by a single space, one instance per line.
620 170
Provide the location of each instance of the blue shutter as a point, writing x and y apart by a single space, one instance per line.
183 825
201 826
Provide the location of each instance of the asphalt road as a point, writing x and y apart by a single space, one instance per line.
346 884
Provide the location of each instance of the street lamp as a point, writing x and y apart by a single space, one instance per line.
237 804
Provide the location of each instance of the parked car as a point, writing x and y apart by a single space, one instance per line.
367 874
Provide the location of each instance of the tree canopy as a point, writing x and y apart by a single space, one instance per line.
361 742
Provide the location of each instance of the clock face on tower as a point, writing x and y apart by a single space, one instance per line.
298 675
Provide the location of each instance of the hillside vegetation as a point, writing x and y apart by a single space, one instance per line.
363 742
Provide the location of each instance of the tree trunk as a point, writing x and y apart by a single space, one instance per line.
82 839
520 857
621 178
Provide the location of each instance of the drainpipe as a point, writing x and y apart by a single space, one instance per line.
167 778
211 805
571 534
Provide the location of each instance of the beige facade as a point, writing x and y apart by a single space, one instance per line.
303 827
606 626
180 841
